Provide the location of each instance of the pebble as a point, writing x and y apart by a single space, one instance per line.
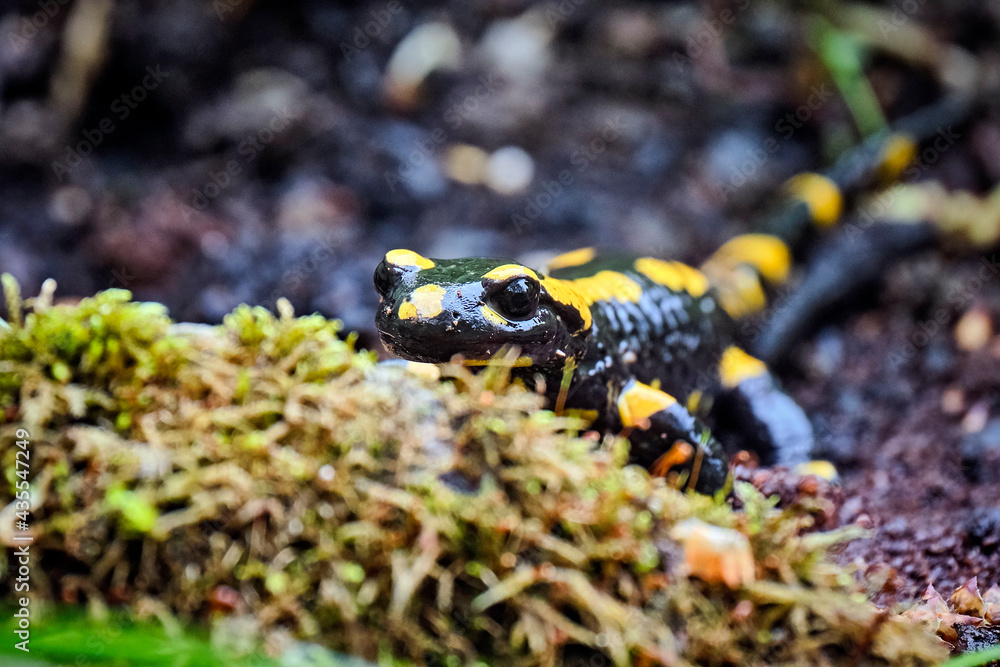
632 32
427 48
975 419
70 205
974 330
953 401
517 48
262 106
896 528
466 164
509 170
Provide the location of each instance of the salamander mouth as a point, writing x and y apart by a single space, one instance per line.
412 352
435 353
390 344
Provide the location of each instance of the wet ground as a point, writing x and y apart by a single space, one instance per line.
238 151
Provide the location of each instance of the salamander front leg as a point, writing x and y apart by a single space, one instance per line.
665 437
753 412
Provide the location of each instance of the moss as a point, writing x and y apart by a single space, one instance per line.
265 471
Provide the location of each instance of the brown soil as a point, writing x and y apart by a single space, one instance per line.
915 436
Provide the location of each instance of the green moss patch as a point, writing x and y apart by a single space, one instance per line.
268 480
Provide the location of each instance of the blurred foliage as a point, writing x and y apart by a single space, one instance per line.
987 657
842 55
69 636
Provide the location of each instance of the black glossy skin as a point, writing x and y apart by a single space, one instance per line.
667 336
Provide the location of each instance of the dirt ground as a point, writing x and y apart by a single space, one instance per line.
238 151
912 421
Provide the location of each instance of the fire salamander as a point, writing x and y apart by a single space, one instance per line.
637 334
650 345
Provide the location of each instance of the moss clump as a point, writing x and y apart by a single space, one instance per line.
264 475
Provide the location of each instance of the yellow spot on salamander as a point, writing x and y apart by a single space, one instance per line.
571 258
508 271
605 286
897 154
638 402
563 291
423 303
766 253
408 258
820 194
739 288
492 316
694 401
676 275
737 366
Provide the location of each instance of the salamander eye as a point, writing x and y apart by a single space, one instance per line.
384 278
517 300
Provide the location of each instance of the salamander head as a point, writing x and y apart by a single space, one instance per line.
431 310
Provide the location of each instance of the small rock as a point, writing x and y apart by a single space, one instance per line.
466 164
70 205
518 48
974 330
427 48
632 32
715 554
975 419
953 401
896 528
510 170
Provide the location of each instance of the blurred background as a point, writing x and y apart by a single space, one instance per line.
206 153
